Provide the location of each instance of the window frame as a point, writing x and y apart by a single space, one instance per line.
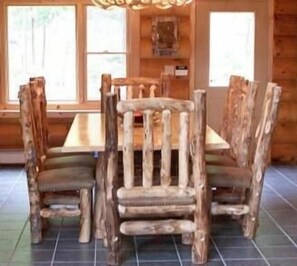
81 54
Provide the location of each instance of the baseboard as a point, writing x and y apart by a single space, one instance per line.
12 157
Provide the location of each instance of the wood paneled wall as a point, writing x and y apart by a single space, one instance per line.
152 66
284 143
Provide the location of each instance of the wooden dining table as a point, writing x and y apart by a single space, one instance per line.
87 134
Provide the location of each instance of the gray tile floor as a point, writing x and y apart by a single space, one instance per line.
275 244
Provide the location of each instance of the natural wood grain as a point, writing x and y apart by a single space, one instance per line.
87 134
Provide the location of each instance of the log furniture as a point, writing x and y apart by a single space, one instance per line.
136 87
237 125
50 158
249 178
157 205
52 182
87 134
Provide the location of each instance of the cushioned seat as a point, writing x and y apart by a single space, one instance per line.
73 178
223 176
57 152
61 198
219 159
69 161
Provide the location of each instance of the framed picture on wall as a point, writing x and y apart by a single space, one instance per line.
164 35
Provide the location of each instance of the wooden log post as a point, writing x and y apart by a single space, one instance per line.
261 157
165 84
31 164
105 88
85 218
112 222
100 210
202 213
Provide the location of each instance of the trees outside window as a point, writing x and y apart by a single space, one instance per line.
44 40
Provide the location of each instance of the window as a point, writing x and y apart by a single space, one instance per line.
70 45
232 39
106 46
41 42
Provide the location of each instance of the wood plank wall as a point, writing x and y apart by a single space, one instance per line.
284 143
152 66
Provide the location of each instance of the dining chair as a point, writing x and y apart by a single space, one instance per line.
249 178
50 187
50 158
135 87
156 204
39 95
237 125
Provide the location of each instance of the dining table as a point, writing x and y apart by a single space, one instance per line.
87 134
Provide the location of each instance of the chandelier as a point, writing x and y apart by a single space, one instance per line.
140 4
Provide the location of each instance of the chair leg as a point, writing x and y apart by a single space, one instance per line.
35 218
113 235
252 217
187 239
85 221
200 246
99 221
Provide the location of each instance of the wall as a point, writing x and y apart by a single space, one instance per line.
284 143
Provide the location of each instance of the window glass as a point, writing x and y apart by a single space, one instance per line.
106 46
232 41
42 42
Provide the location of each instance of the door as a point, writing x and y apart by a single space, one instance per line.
231 38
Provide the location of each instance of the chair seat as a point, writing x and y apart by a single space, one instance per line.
70 178
61 198
219 159
57 152
225 176
70 161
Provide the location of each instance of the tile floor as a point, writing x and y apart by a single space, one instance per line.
275 244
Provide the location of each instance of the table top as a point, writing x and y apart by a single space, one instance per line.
87 134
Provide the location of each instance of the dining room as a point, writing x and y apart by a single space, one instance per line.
140 132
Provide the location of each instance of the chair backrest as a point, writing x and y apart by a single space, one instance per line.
191 123
29 141
237 127
266 126
262 142
39 106
136 87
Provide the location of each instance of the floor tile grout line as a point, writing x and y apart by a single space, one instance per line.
217 249
13 186
284 176
55 249
136 251
260 252
176 250
281 196
279 227
95 255
18 241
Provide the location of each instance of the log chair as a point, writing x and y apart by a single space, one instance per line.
50 158
55 181
249 178
150 208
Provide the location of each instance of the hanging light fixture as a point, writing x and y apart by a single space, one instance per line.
140 4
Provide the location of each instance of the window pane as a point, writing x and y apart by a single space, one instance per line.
106 29
232 39
42 42
98 64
